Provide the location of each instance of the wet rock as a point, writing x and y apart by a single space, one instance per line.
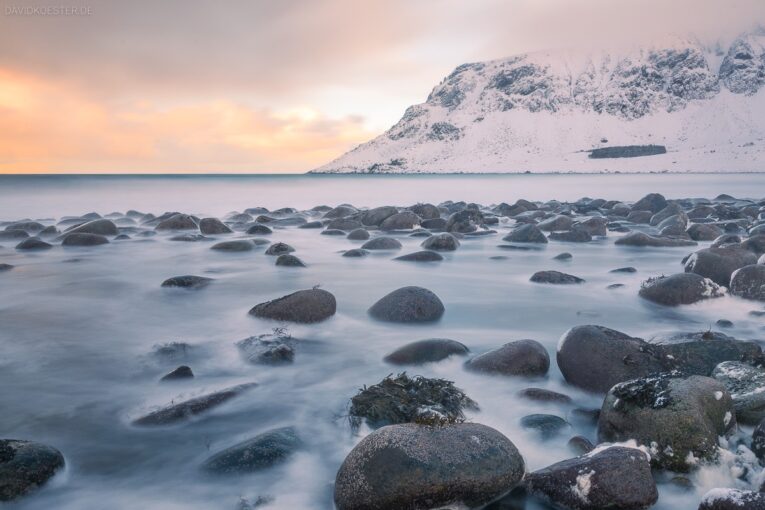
187 409
641 239
758 440
718 264
434 224
100 227
182 372
421 256
260 452
595 358
312 224
580 445
279 249
678 417
381 243
563 256
467 220
355 253
5 267
408 304
187 282
426 351
425 211
25 466
526 358
679 289
359 234
653 202
259 230
288 260
333 232
33 244
555 277
13 235
624 270
725 239
441 242
404 399
341 211
25 226
755 244
547 425
303 306
556 223
420 467
240 218
186 238
405 220
674 225
275 348
614 478
238 245
374 217
213 226
745 384
724 323
346 224
575 235
615 286
700 352
732 499
594 225
704 232
177 222
749 282
527 233
78 239
640 217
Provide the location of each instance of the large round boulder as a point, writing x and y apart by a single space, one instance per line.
237 245
613 478
678 417
718 264
382 243
704 232
25 466
679 289
260 452
303 306
83 239
177 222
441 242
421 467
653 202
527 233
213 226
374 217
405 220
641 239
101 227
421 256
467 220
749 282
408 304
523 357
555 277
556 223
425 211
33 244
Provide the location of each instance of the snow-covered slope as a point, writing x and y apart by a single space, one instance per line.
544 112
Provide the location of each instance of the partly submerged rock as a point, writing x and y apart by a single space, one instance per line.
33 244
718 264
25 466
381 243
239 245
746 385
526 358
441 242
187 282
261 452
555 277
275 348
749 282
83 239
180 373
421 467
732 499
289 260
187 409
408 304
426 351
421 256
303 306
213 226
641 239
680 289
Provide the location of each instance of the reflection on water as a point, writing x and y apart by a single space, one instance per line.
77 327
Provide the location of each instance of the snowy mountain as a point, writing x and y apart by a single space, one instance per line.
703 108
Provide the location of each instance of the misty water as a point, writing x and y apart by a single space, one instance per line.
78 327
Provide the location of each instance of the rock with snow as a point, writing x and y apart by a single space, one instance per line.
610 478
732 499
746 385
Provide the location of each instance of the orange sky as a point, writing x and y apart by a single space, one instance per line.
261 86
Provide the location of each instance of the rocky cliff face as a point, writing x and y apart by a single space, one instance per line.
544 111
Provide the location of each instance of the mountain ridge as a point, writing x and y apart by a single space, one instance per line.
545 112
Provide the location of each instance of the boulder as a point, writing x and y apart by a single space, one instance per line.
355 253
100 227
544 396
556 223
180 373
749 282
718 264
375 217
594 225
610 478
678 417
312 224
25 226
341 211
546 425
425 211
675 225
408 304
520 358
259 230
555 277
303 306
25 466
33 244
441 242
679 289
426 351
527 233
261 452
288 260
359 234
420 467
641 239
346 224
405 220
575 235
187 282
13 235
381 243
177 222
732 499
82 239
467 220
234 246
277 348
187 409
421 256
563 256
704 232
213 226
745 384
639 217
434 224
333 232
653 202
